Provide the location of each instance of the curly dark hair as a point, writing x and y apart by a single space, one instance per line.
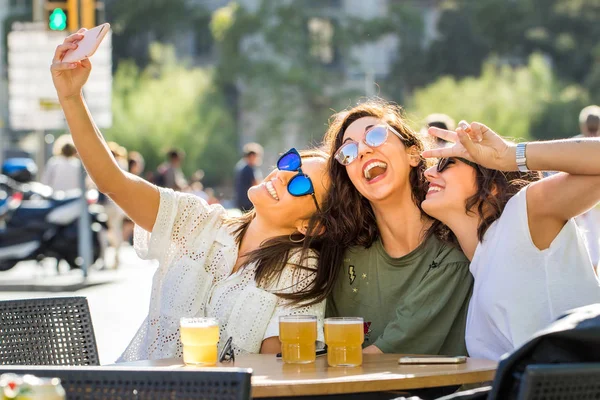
494 189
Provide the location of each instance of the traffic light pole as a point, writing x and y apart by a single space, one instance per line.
85 251
73 20
68 15
38 8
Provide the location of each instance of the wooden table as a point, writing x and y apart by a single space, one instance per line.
379 372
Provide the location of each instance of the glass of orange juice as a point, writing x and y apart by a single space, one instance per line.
298 336
199 337
344 337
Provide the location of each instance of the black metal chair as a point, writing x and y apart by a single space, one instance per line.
560 382
47 331
576 381
118 383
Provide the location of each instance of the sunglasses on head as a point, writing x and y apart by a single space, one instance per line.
300 184
443 163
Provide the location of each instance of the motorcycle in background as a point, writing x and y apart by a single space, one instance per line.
36 223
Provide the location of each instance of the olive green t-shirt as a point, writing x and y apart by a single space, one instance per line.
413 304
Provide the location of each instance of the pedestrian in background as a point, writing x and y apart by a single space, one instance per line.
63 170
136 163
247 174
113 212
441 121
169 174
136 167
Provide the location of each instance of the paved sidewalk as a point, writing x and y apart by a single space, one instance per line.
118 299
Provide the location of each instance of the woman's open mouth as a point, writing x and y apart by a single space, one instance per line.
373 170
271 189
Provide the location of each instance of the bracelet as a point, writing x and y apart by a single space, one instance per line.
521 157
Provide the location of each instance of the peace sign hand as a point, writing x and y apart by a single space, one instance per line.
475 142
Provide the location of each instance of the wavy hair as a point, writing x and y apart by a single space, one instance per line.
347 217
494 189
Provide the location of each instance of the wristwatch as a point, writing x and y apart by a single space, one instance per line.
521 157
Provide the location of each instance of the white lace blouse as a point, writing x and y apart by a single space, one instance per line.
196 253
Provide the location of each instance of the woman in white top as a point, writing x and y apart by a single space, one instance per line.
63 171
246 272
528 258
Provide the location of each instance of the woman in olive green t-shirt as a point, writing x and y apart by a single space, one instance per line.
397 269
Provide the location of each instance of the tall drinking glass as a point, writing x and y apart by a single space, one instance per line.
199 337
298 336
344 337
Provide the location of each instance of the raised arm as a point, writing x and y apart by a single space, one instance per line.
551 201
138 198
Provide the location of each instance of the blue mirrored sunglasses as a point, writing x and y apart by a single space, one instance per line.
300 184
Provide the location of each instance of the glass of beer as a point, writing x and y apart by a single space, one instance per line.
298 336
344 337
199 337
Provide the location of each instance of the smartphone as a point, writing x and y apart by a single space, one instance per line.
88 45
432 360
320 352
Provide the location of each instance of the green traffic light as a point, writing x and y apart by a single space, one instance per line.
58 20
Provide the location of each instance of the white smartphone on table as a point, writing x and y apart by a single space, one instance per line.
432 360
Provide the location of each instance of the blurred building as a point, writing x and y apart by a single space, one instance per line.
361 69
370 62
10 11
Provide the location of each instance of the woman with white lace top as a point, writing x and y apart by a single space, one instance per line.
246 272
528 258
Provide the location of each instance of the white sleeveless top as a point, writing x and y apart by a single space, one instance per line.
196 254
520 289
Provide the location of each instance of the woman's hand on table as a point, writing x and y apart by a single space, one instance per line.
372 349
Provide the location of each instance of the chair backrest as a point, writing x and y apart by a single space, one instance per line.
560 382
99 383
47 331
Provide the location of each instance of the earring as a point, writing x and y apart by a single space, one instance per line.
297 240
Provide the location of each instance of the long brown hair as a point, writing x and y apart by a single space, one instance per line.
350 217
274 253
347 217
494 189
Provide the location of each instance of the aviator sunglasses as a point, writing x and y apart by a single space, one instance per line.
374 137
300 184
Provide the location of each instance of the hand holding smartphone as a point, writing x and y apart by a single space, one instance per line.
432 360
87 46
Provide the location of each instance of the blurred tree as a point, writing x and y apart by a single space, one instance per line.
568 31
136 23
521 102
469 32
505 33
286 59
560 115
169 104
